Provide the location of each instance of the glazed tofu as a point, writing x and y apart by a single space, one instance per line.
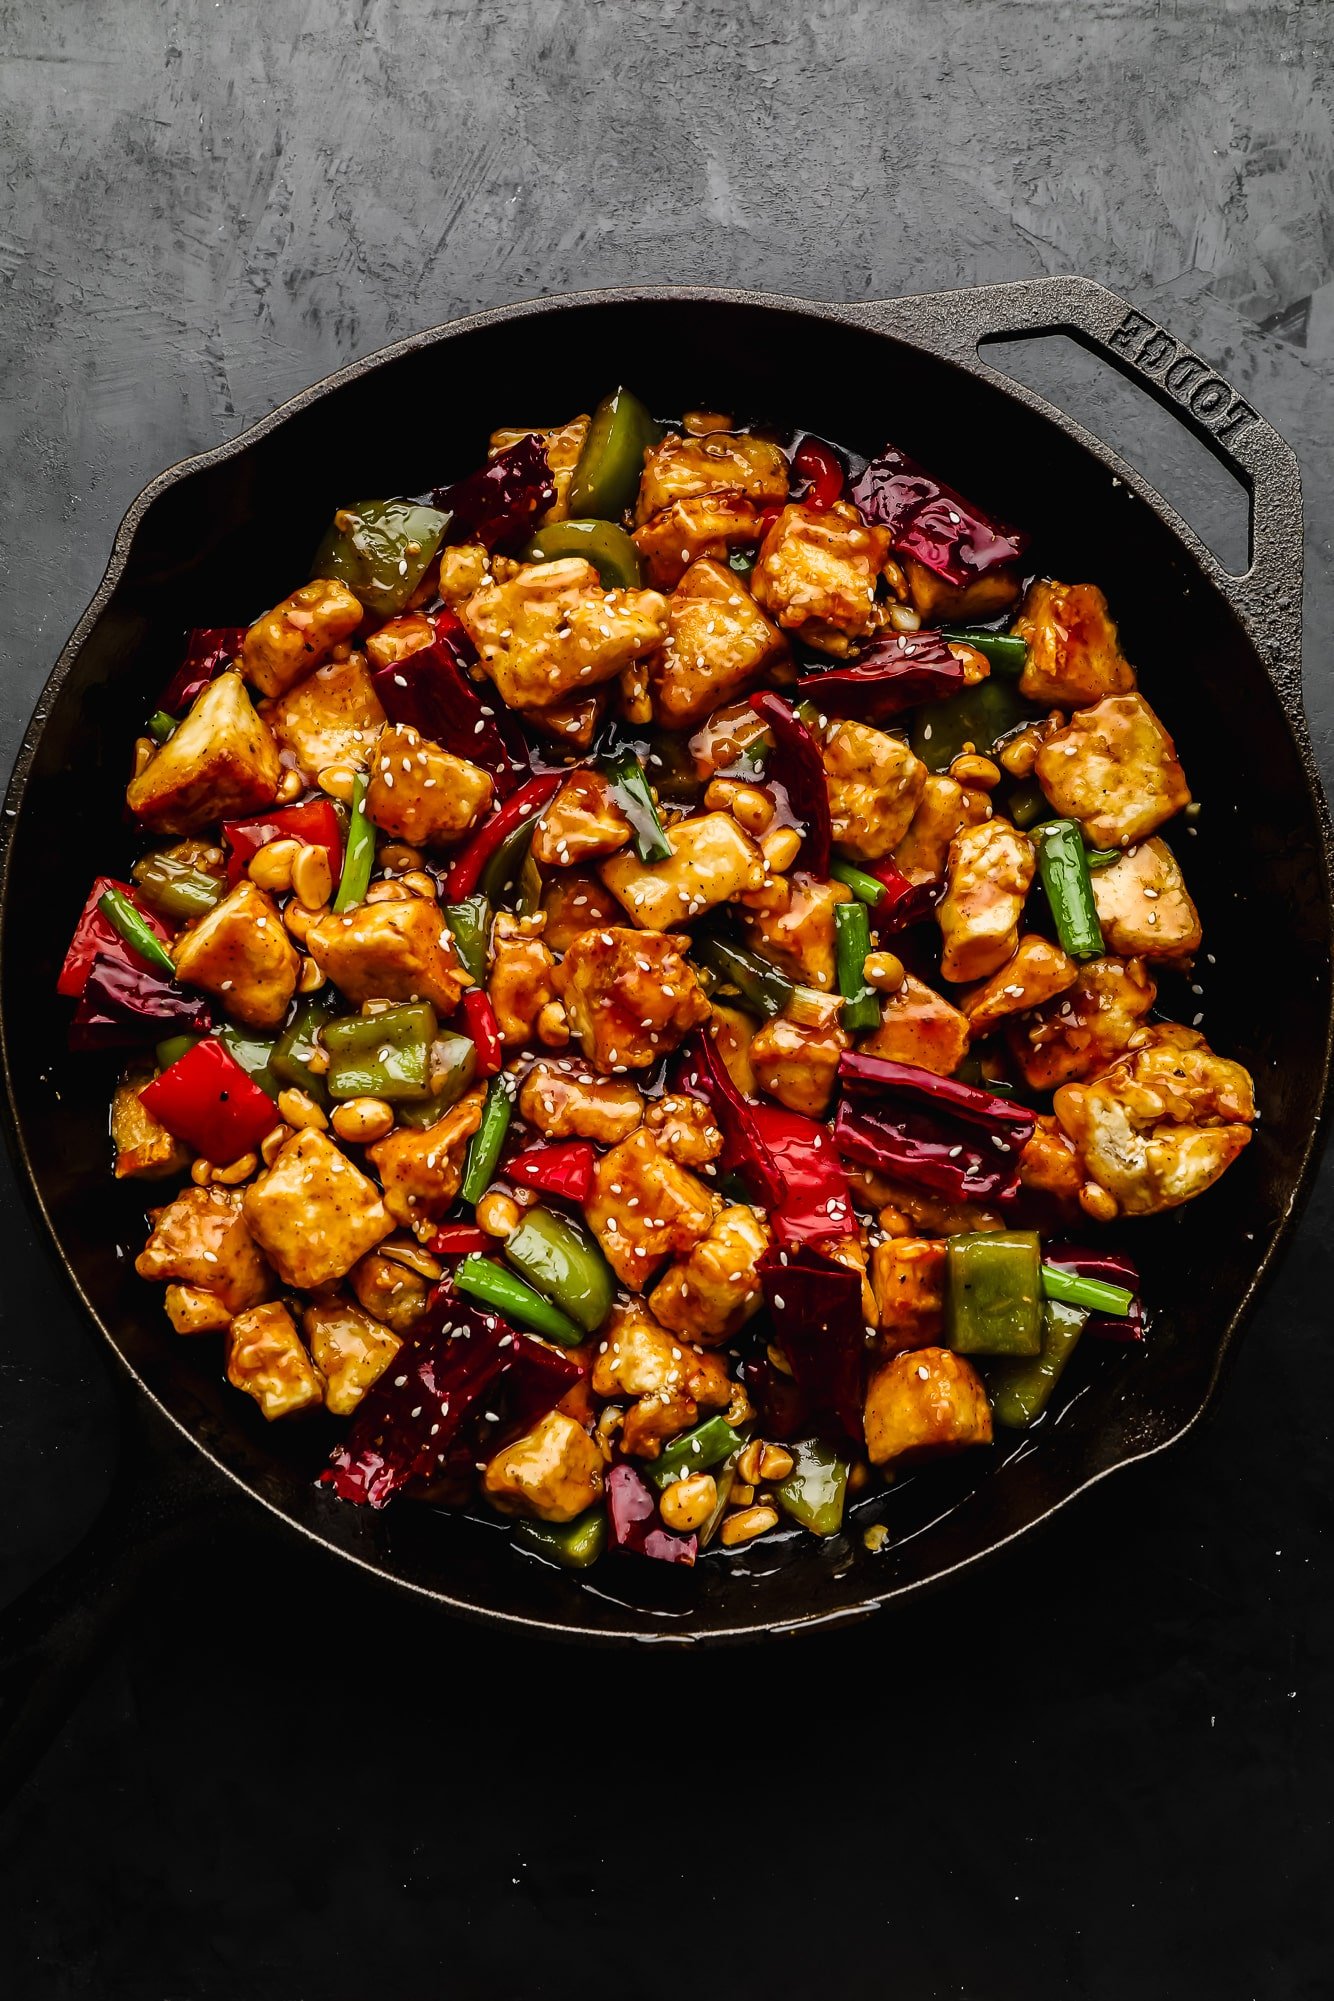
464 569
298 634
908 1279
420 1171
875 786
712 862
987 877
680 467
582 823
944 810
265 1358
797 1061
630 997
554 632
422 793
1144 907
573 902
705 526
241 952
350 1350
719 645
1084 1028
1038 972
923 1402
918 1025
644 1208
684 1129
191 1310
313 1213
638 1358
222 762
1049 1164
816 575
332 717
400 638
143 1148
522 978
564 1101
562 445
399 951
940 602
1074 656
710 1295
390 1293
1114 769
798 934
1162 1124
201 1240
552 1473
573 724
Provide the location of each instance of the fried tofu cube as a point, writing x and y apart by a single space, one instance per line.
582 823
572 724
918 1025
241 952
554 632
552 1473
1074 655
349 1349
464 569
875 784
1114 769
1144 907
797 1061
816 575
712 862
391 1293
201 1239
265 1358
1084 1028
1038 972
722 461
420 1171
638 1358
988 875
684 1128
563 1101
709 1295
923 1402
313 1213
400 951
191 1310
298 634
523 976
221 762
400 638
939 601
719 645
422 793
1049 1164
704 526
945 809
332 717
908 1279
143 1148
573 902
630 996
644 1208
798 933
562 445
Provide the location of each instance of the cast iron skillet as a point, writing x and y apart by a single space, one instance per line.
221 535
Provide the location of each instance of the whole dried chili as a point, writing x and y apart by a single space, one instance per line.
933 1131
930 522
499 505
797 765
431 691
896 672
815 1305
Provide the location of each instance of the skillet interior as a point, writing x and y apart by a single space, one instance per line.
234 535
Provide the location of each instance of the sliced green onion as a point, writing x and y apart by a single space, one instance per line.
1006 651
359 854
476 1276
868 888
485 1144
1065 878
161 725
122 916
852 937
625 774
1095 858
1094 1293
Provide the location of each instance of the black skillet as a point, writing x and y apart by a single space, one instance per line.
223 534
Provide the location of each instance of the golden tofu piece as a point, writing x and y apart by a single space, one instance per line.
945 809
399 639
816 575
572 724
565 1102
332 717
562 445
573 902
241 952
923 1402
582 823
797 1061
1074 656
719 645
644 1208
350 1350
712 862
711 1293
391 1293
723 461
638 1358
299 634
221 762
1144 907
1083 1029
798 933
400 951
706 525
908 1279
684 1128
422 793
201 1239
630 996
918 1025
1114 769
420 1171
875 784
552 1473
1049 1164
523 976
265 1358
191 1310
464 569
1038 972
143 1147
987 877
940 602
554 632
313 1213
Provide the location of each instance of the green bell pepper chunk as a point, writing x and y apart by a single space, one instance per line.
601 543
173 1047
359 852
505 867
1020 1391
381 549
292 1052
980 716
1065 878
175 889
385 1055
528 901
161 726
606 478
485 1144
494 1286
573 1545
453 1067
693 1452
852 938
253 1052
993 1293
763 989
675 777
625 775
1006 651
122 916
1096 858
815 1490
470 922
1024 804
565 1266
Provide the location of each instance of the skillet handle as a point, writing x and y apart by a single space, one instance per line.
1267 597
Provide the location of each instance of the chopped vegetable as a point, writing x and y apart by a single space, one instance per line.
977 719
930 522
816 1201
359 859
470 927
314 823
454 1240
499 504
1113 1268
208 650
993 1300
565 1266
483 1031
795 763
861 1003
485 1144
894 673
1063 866
96 936
381 549
867 888
296 1046
573 1545
385 1055
763 988
815 1306
176 889
561 1167
820 466
958 1142
1006 652
431 692
253 1052
693 1451
123 1006
606 477
540 1376
517 816
744 1151
816 1489
632 1516
480 1278
630 789
1021 1390
160 725
207 1100
1093 1294
608 548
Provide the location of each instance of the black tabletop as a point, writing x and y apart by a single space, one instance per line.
1100 1768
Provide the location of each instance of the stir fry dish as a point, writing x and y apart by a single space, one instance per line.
643 974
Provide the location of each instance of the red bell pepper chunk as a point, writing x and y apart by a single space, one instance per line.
816 1200
564 1168
636 1526
206 1099
822 469
521 805
453 1240
482 1028
95 936
208 649
314 823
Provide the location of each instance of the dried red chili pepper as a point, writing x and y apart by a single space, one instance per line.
815 1305
208 650
823 471
897 672
483 1031
522 805
564 1168
95 936
961 1143
500 503
930 522
795 762
432 692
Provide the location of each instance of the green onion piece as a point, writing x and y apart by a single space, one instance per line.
122 916
763 989
693 1452
1006 651
1095 858
573 1545
852 936
476 1276
161 725
1094 1293
868 888
1065 878
485 1144
625 774
470 924
359 854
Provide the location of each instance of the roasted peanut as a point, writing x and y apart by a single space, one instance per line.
363 1120
687 1504
312 877
498 1213
300 1110
746 1524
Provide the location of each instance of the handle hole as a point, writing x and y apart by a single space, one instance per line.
1208 494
